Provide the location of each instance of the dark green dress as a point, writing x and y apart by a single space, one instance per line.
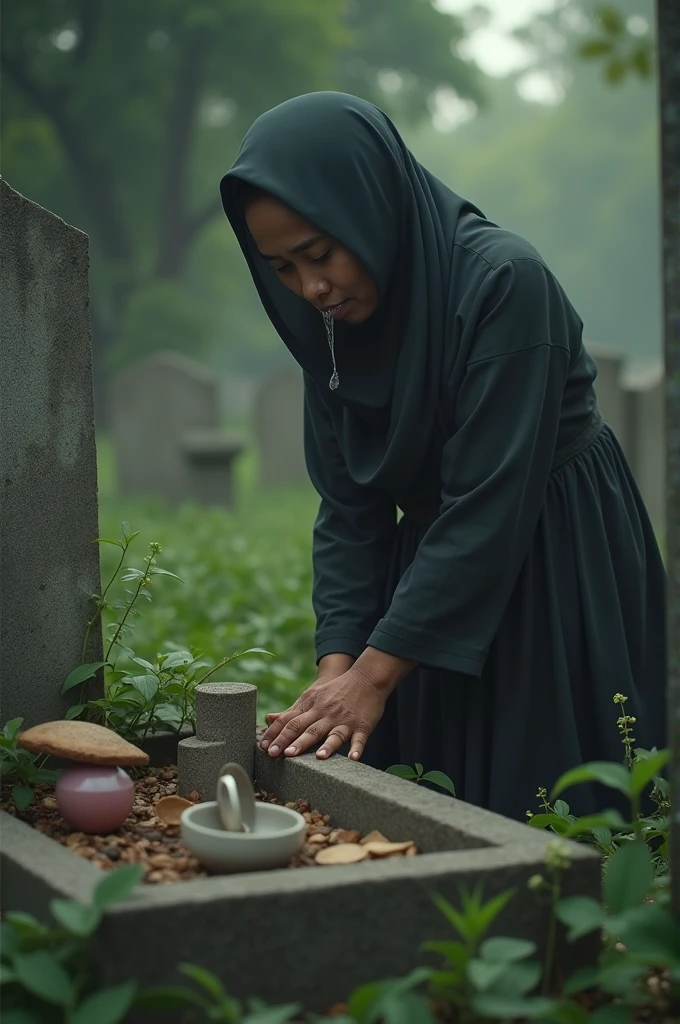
524 575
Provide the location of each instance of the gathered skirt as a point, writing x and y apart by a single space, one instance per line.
585 621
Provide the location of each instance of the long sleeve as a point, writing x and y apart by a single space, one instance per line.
495 466
352 542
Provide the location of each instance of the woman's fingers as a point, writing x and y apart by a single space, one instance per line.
276 726
336 738
359 740
315 734
290 730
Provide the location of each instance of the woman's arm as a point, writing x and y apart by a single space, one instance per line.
353 540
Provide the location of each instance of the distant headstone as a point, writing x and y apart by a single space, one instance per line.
645 439
49 565
608 387
278 414
165 426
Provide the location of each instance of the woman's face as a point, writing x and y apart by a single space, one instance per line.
312 264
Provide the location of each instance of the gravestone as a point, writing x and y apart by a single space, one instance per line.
49 565
278 416
645 440
608 387
165 426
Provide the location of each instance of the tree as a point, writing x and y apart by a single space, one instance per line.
122 117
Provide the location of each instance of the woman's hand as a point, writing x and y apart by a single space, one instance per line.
340 707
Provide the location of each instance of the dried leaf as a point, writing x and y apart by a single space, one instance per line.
345 835
169 809
374 837
344 853
386 849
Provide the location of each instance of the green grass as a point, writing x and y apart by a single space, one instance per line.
246 579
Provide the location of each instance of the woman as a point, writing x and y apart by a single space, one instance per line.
486 632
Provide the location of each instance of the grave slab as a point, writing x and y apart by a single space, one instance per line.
312 934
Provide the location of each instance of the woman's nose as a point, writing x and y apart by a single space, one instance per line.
314 288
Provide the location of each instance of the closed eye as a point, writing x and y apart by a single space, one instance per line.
285 267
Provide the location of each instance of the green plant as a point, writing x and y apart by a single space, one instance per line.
162 697
45 972
209 1001
415 774
393 1001
608 830
21 767
484 977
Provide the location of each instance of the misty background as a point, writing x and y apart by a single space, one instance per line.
121 118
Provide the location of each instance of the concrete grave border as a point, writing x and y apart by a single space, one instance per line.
310 934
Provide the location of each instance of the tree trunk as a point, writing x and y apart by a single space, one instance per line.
668 34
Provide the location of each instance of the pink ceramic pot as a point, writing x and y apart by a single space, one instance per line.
94 798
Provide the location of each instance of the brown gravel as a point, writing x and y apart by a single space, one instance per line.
145 839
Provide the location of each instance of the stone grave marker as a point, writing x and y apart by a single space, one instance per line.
49 565
165 425
278 419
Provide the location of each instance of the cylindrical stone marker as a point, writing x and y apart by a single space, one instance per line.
227 713
198 765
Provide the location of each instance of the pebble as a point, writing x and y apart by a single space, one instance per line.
112 852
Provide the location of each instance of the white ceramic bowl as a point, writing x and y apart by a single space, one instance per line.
277 836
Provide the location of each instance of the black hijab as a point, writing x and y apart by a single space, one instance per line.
341 164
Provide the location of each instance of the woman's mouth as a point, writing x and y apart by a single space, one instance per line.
337 311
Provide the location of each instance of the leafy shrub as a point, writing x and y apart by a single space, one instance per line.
21 767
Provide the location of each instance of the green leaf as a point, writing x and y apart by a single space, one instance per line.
74 711
23 797
127 529
441 780
455 952
619 979
418 768
409 1008
210 982
146 685
581 915
253 650
609 773
11 729
273 1014
21 1017
611 19
615 71
25 924
607 819
549 820
373 1001
75 917
107 540
484 974
6 972
561 807
506 950
108 1006
521 979
499 1007
595 48
643 771
649 932
117 885
170 997
614 1013
581 980
155 571
80 675
402 771
144 664
629 876
177 658
9 939
42 975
